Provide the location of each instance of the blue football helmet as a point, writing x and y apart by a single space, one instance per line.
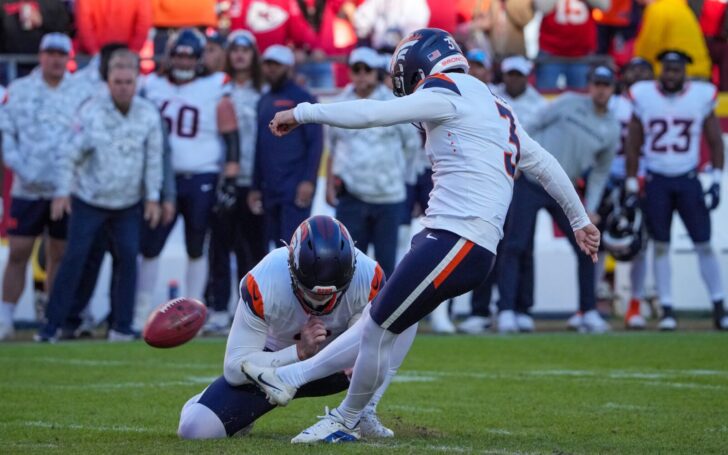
422 53
321 261
188 41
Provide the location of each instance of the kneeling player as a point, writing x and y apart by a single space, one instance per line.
295 301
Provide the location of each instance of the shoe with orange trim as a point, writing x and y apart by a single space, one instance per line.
633 319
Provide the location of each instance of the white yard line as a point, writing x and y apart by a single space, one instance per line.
75 426
114 363
625 407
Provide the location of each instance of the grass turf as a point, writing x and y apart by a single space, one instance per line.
545 393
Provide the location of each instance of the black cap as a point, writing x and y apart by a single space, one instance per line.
638 61
602 74
674 56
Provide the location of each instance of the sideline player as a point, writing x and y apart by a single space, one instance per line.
295 301
475 143
636 70
670 116
203 134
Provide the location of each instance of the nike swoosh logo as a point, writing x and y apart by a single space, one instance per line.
262 381
430 236
205 188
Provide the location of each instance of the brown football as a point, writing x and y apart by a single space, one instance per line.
174 323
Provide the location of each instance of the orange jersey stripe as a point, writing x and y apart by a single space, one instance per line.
256 296
454 263
377 282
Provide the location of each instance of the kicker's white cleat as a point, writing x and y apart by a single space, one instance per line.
329 429
278 392
371 427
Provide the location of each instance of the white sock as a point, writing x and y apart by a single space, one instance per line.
637 275
375 360
710 270
196 277
148 274
663 273
7 310
372 405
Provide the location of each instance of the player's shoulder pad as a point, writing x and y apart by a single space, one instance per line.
705 90
251 295
641 89
440 80
369 276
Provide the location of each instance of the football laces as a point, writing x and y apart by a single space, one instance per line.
169 305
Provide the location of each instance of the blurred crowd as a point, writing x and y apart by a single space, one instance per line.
106 158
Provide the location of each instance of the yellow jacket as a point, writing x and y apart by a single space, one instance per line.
671 24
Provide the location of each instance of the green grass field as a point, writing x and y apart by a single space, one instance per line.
545 393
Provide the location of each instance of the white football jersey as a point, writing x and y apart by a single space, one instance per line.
621 107
267 291
672 123
190 111
474 141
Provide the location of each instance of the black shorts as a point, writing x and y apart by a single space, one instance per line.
31 217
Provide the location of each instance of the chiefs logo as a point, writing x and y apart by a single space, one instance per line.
263 17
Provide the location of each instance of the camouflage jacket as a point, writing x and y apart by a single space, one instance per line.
35 121
113 160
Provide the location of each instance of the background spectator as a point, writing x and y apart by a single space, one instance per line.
101 22
567 34
213 59
272 22
234 227
714 23
525 100
36 119
617 28
171 15
671 24
383 23
286 169
23 24
503 23
112 163
480 65
366 168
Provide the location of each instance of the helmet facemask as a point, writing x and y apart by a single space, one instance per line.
321 262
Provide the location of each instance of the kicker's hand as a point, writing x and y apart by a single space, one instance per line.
588 239
312 334
283 123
